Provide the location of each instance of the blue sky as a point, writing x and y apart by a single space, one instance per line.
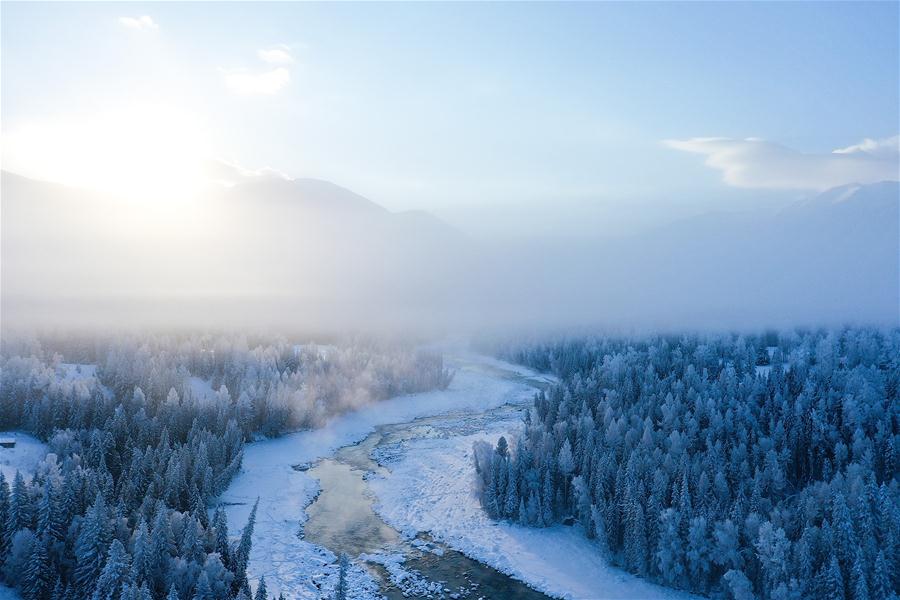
495 116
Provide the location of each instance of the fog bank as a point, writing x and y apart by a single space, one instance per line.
305 254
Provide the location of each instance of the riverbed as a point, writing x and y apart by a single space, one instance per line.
315 501
342 518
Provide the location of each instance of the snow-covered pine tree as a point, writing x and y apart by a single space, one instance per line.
91 546
261 592
242 553
116 572
37 577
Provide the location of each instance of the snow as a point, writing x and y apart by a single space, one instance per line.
431 488
29 451
291 565
408 580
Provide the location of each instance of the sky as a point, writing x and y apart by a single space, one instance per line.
501 118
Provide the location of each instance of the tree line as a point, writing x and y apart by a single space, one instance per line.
120 507
733 466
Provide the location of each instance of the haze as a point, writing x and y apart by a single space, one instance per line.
450 167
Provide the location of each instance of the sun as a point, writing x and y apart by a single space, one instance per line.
141 152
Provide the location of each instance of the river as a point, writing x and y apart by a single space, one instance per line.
342 518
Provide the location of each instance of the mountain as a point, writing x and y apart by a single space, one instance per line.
830 259
275 250
834 257
302 244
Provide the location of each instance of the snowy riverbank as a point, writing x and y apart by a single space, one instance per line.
430 488
300 569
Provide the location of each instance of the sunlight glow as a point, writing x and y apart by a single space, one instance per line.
147 152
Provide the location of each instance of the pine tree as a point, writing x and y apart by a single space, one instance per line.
842 526
698 553
491 504
242 554
547 501
511 501
91 546
881 578
859 587
45 510
203 591
37 578
834 581
20 514
5 535
635 537
116 572
502 447
191 547
161 550
220 524
261 592
670 552
140 564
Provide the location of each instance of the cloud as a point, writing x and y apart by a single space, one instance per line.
279 55
244 81
143 22
756 163
266 82
887 148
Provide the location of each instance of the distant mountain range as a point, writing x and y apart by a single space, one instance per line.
311 250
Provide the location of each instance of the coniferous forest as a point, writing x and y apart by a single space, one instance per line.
732 466
123 507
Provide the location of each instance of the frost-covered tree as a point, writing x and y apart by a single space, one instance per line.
91 546
261 591
742 465
116 573
37 577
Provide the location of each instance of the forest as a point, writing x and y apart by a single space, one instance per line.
144 432
732 466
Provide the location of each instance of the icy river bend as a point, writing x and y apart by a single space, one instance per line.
392 486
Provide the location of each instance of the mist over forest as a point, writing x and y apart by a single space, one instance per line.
270 252
450 301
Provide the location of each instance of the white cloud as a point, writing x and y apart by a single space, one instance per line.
143 22
888 147
279 55
756 163
244 81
